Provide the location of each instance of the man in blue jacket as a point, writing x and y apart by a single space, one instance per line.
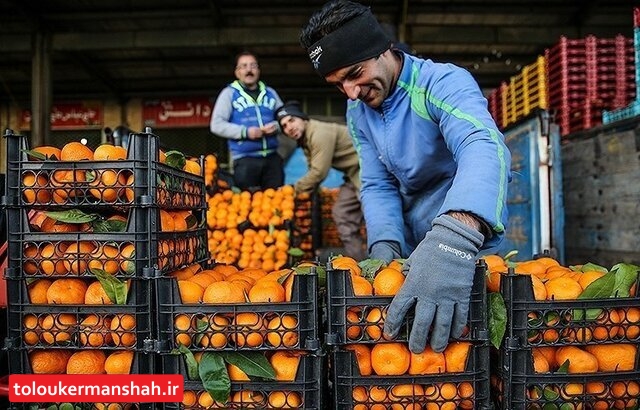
244 114
434 167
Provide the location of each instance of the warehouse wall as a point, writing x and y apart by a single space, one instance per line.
601 170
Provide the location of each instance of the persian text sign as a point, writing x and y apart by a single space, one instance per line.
177 112
70 116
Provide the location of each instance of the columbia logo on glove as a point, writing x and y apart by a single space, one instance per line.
463 255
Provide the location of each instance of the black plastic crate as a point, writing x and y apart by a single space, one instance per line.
63 326
532 323
20 363
461 390
205 326
141 250
515 385
359 319
306 391
139 180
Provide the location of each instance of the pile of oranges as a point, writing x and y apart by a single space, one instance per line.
248 229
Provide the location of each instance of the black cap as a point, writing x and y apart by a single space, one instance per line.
291 108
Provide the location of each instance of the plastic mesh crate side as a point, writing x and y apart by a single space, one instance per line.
204 322
346 379
308 383
532 323
79 325
354 319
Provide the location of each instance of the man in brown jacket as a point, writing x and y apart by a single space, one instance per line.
328 145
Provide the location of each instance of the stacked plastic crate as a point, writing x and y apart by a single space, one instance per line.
633 109
244 339
587 76
86 241
494 100
525 92
568 353
368 371
307 231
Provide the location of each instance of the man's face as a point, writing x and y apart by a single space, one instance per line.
369 81
248 71
293 127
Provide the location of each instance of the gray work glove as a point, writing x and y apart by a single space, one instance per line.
439 276
385 250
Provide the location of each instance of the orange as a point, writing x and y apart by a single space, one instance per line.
49 152
493 281
192 167
223 292
38 291
387 282
119 362
346 263
562 288
35 189
190 291
106 184
96 295
45 259
455 356
285 364
58 328
108 152
105 258
129 192
375 323
249 399
618 357
189 398
353 332
549 353
121 326
236 374
630 320
427 362
580 361
216 337
283 331
49 361
627 394
440 392
77 255
495 263
540 363
267 291
67 291
167 224
609 320
31 330
75 151
539 289
284 400
390 359
225 269
361 286
203 279
586 278
94 331
128 254
466 392
86 362
531 267
363 357
249 330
